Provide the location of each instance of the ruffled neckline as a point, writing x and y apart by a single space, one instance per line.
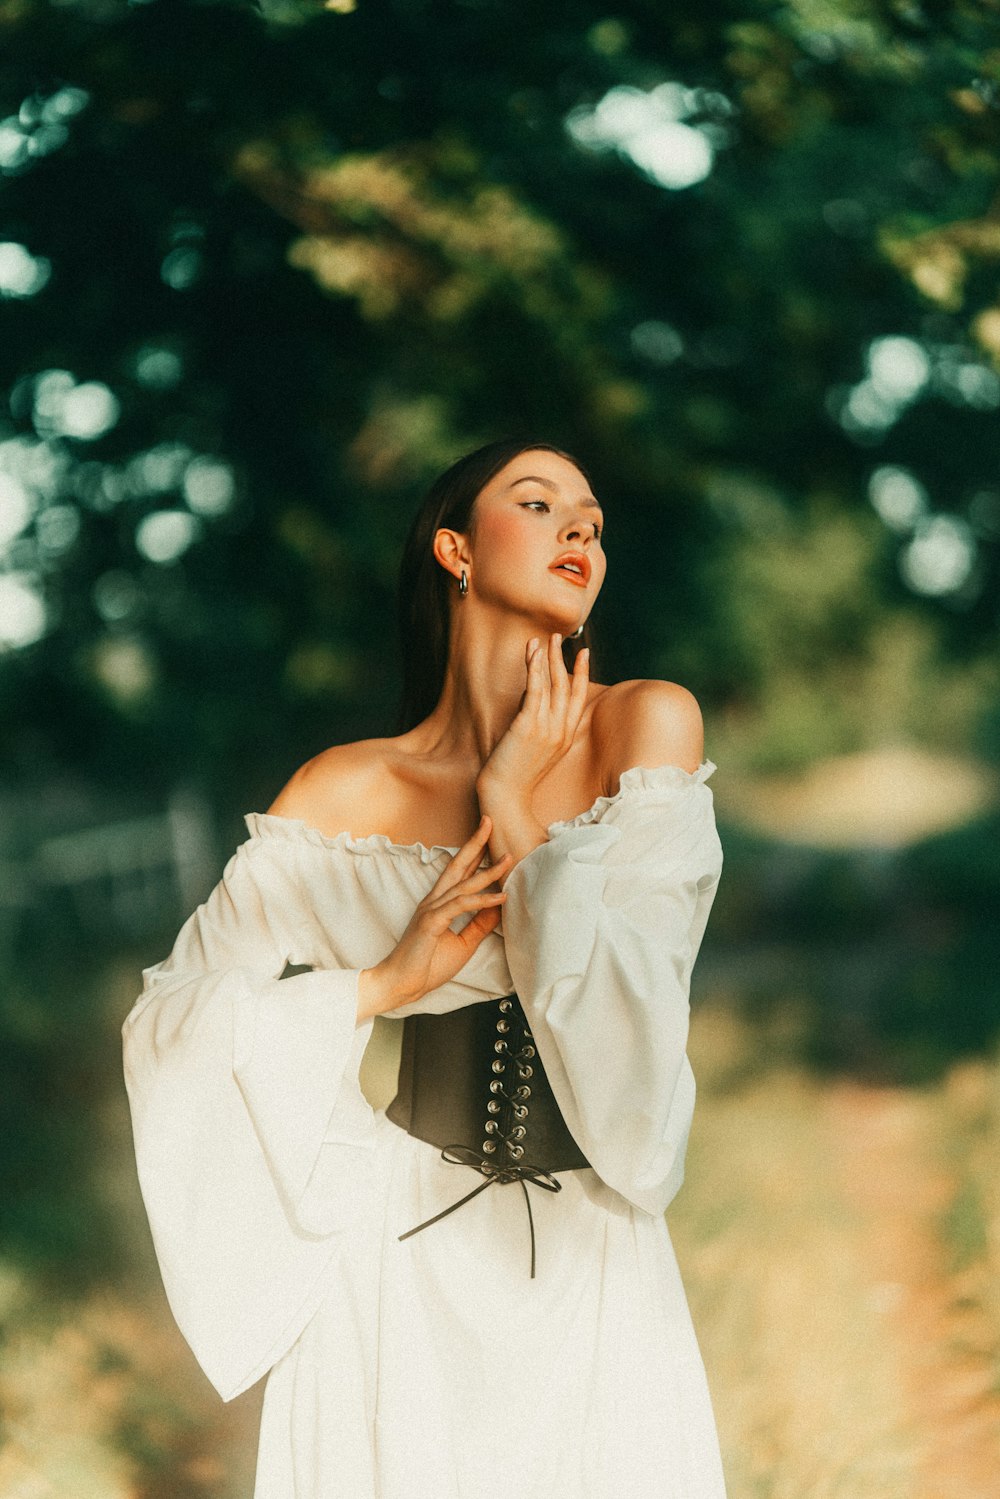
637 778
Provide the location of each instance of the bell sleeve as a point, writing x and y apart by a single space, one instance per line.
602 925
253 1141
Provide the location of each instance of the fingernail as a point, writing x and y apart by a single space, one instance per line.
557 638
586 652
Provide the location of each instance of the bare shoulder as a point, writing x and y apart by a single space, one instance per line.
647 722
336 789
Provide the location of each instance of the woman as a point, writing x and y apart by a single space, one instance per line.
471 1294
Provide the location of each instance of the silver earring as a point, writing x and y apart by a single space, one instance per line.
463 585
576 633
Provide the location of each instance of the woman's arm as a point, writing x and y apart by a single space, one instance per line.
541 733
639 722
602 927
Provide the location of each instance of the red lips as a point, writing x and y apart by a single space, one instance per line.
575 559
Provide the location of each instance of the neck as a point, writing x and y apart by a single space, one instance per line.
483 686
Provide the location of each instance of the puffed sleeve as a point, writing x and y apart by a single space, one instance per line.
602 925
252 1137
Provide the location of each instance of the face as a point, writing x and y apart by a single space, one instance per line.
535 544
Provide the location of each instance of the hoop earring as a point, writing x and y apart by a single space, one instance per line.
576 633
463 585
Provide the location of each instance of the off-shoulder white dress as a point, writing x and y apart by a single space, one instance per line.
436 1368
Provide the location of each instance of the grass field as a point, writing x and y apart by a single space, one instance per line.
840 1244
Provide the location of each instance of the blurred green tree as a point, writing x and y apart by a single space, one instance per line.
266 269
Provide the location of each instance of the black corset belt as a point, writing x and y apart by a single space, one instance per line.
474 1075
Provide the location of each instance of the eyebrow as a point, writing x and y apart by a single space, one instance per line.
589 500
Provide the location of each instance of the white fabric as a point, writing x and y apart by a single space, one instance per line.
436 1367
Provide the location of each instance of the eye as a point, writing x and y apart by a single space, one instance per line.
527 504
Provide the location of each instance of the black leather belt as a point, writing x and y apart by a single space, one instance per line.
474 1075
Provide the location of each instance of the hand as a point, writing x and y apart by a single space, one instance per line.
429 953
544 727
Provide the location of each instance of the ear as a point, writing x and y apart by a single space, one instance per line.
451 549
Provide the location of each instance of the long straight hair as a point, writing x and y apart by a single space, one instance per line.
424 585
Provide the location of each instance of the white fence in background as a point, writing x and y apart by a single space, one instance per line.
122 878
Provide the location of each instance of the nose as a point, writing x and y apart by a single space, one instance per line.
579 529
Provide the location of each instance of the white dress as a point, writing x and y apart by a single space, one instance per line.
436 1367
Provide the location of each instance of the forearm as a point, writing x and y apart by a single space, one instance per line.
516 829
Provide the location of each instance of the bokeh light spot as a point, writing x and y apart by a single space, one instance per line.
57 529
866 410
657 341
209 486
181 267
609 37
116 596
125 669
158 368
976 386
64 103
158 469
899 499
21 273
898 367
14 152
23 617
47 138
89 410
673 154
15 508
940 557
62 408
648 128
165 535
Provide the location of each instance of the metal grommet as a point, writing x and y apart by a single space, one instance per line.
520 1111
523 1091
506 1006
491 1126
494 1107
496 1086
499 1067
517 1151
527 1051
489 1146
500 1046
503 1026
518 1132
524 1071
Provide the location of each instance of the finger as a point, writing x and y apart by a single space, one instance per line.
468 857
578 690
473 882
458 905
479 927
490 872
558 679
535 691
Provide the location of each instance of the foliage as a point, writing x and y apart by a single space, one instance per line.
266 271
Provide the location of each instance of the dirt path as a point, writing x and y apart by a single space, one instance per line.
895 1176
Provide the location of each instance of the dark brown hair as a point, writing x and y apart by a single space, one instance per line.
424 585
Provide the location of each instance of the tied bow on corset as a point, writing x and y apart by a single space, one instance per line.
517 1075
